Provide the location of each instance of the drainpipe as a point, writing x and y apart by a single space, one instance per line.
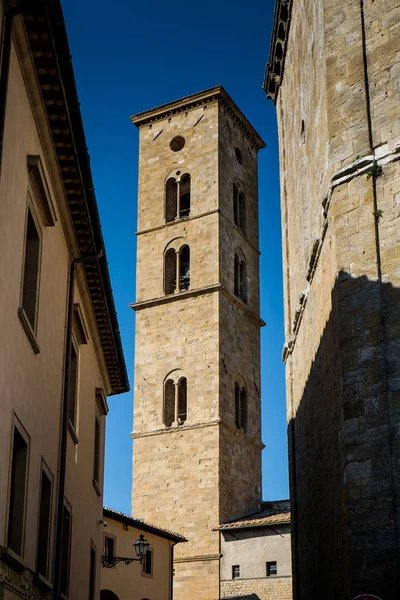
10 14
64 423
171 578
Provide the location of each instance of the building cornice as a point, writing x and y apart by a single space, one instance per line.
213 94
279 40
217 287
46 40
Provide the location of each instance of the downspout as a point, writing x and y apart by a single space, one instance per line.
64 423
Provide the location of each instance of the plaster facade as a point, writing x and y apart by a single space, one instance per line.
196 474
334 76
32 357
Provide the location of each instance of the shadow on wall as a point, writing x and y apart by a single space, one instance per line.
108 595
344 449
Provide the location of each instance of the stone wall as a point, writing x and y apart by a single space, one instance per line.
15 585
340 185
274 588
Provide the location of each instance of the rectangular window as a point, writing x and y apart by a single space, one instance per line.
92 574
65 550
31 271
42 561
73 377
97 440
272 569
147 565
235 571
16 514
109 546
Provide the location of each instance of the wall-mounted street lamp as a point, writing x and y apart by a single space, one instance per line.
141 546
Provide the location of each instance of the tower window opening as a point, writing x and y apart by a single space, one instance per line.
175 402
241 411
184 196
177 143
184 268
171 199
238 155
170 271
182 401
177 198
303 131
240 278
242 212
235 204
169 402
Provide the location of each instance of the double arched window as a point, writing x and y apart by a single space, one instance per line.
177 269
177 197
175 401
239 208
240 277
240 407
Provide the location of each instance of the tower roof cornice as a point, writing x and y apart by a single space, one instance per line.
213 94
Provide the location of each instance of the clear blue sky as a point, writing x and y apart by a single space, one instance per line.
130 56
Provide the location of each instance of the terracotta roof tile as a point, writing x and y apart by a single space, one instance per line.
271 513
111 513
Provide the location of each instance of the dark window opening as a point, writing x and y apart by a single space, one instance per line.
243 409
147 565
236 277
281 32
303 131
239 156
170 271
31 271
177 143
277 67
235 204
73 376
92 574
235 571
17 493
278 51
184 268
184 190
42 561
237 405
109 547
242 212
65 551
182 400
243 281
171 199
272 569
97 440
169 403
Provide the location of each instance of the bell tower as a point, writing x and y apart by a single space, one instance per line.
197 408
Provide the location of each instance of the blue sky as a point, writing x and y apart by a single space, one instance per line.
132 56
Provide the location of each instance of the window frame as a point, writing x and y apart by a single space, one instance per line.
73 425
67 507
92 571
144 562
268 565
235 571
112 537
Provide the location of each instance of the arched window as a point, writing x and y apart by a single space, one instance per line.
184 193
170 271
242 212
175 401
243 281
240 407
184 268
240 278
182 401
177 198
171 199
169 402
235 204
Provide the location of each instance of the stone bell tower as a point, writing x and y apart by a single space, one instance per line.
197 418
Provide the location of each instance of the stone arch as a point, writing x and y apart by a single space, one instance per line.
240 275
177 196
175 404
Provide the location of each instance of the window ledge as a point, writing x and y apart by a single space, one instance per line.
148 575
43 582
30 334
11 558
72 432
96 487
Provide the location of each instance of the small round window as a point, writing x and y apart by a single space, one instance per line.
238 155
177 143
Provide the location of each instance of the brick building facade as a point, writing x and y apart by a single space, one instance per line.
334 74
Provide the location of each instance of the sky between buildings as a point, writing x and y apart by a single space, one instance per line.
131 56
